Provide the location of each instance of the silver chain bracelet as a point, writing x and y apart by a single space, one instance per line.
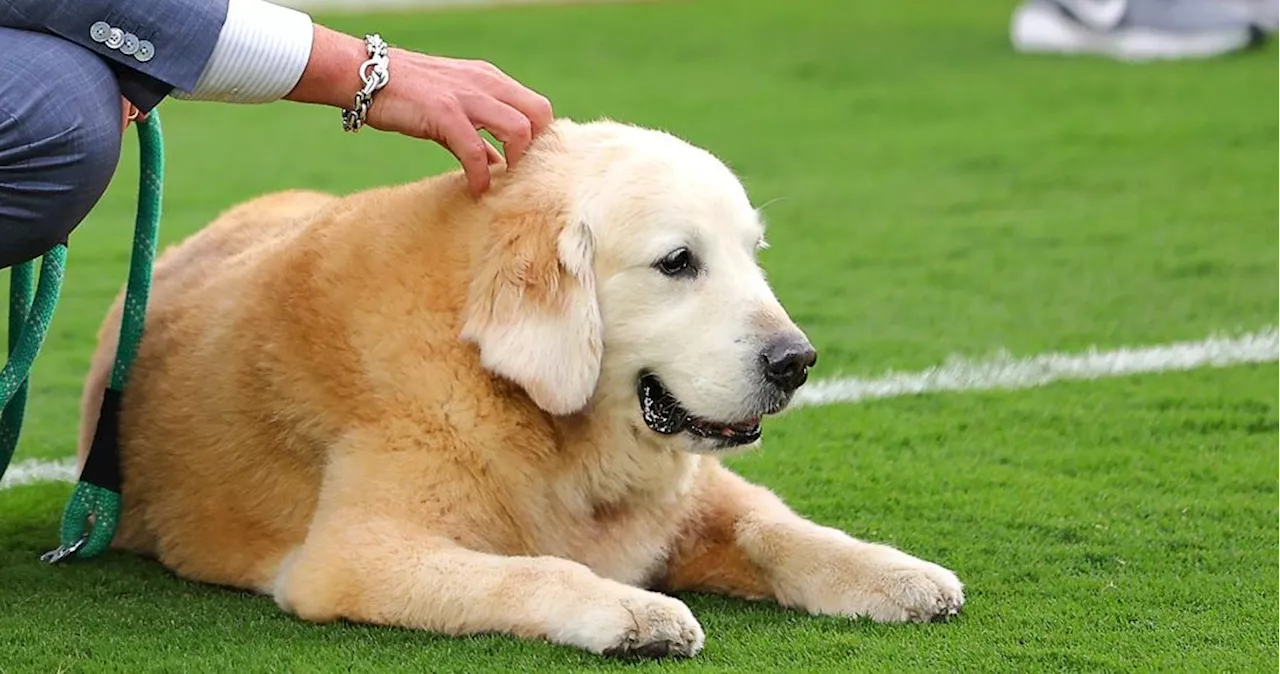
375 75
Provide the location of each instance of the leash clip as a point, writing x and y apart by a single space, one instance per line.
63 551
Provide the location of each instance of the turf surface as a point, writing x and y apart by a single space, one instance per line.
931 193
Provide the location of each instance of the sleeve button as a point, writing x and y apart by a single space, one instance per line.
145 52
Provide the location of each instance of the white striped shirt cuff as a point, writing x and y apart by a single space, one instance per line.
260 55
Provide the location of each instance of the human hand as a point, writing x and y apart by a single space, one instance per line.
431 97
129 113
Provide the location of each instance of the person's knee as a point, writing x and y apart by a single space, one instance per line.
59 146
46 196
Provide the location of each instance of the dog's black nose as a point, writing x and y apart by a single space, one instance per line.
786 362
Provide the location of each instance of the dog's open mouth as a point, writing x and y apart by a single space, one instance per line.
663 414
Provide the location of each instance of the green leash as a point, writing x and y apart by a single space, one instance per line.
30 311
95 501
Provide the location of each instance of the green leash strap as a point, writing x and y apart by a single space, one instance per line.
21 295
95 502
30 312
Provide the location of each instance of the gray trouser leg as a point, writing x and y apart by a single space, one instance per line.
59 140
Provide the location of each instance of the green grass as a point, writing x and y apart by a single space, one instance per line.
932 193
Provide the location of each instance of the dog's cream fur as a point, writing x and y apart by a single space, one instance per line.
408 407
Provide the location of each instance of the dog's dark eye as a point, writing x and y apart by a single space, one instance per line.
677 263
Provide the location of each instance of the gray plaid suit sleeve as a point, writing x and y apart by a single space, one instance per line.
153 46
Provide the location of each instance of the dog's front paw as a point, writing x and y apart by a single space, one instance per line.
883 584
916 591
640 625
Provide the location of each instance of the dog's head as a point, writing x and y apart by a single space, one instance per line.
622 271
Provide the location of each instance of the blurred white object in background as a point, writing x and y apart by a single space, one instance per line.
1264 13
1142 30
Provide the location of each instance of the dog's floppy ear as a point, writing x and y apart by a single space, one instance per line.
532 308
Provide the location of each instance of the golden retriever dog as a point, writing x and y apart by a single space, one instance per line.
410 407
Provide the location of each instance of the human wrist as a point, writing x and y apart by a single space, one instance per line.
331 76
261 53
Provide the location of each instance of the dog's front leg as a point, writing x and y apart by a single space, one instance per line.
388 544
745 542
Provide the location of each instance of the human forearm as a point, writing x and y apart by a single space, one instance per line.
331 77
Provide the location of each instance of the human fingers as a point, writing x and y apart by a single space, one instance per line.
130 113
489 79
507 124
534 106
462 139
127 111
494 155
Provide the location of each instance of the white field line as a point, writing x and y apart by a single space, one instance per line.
1001 372
1006 372
38 470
